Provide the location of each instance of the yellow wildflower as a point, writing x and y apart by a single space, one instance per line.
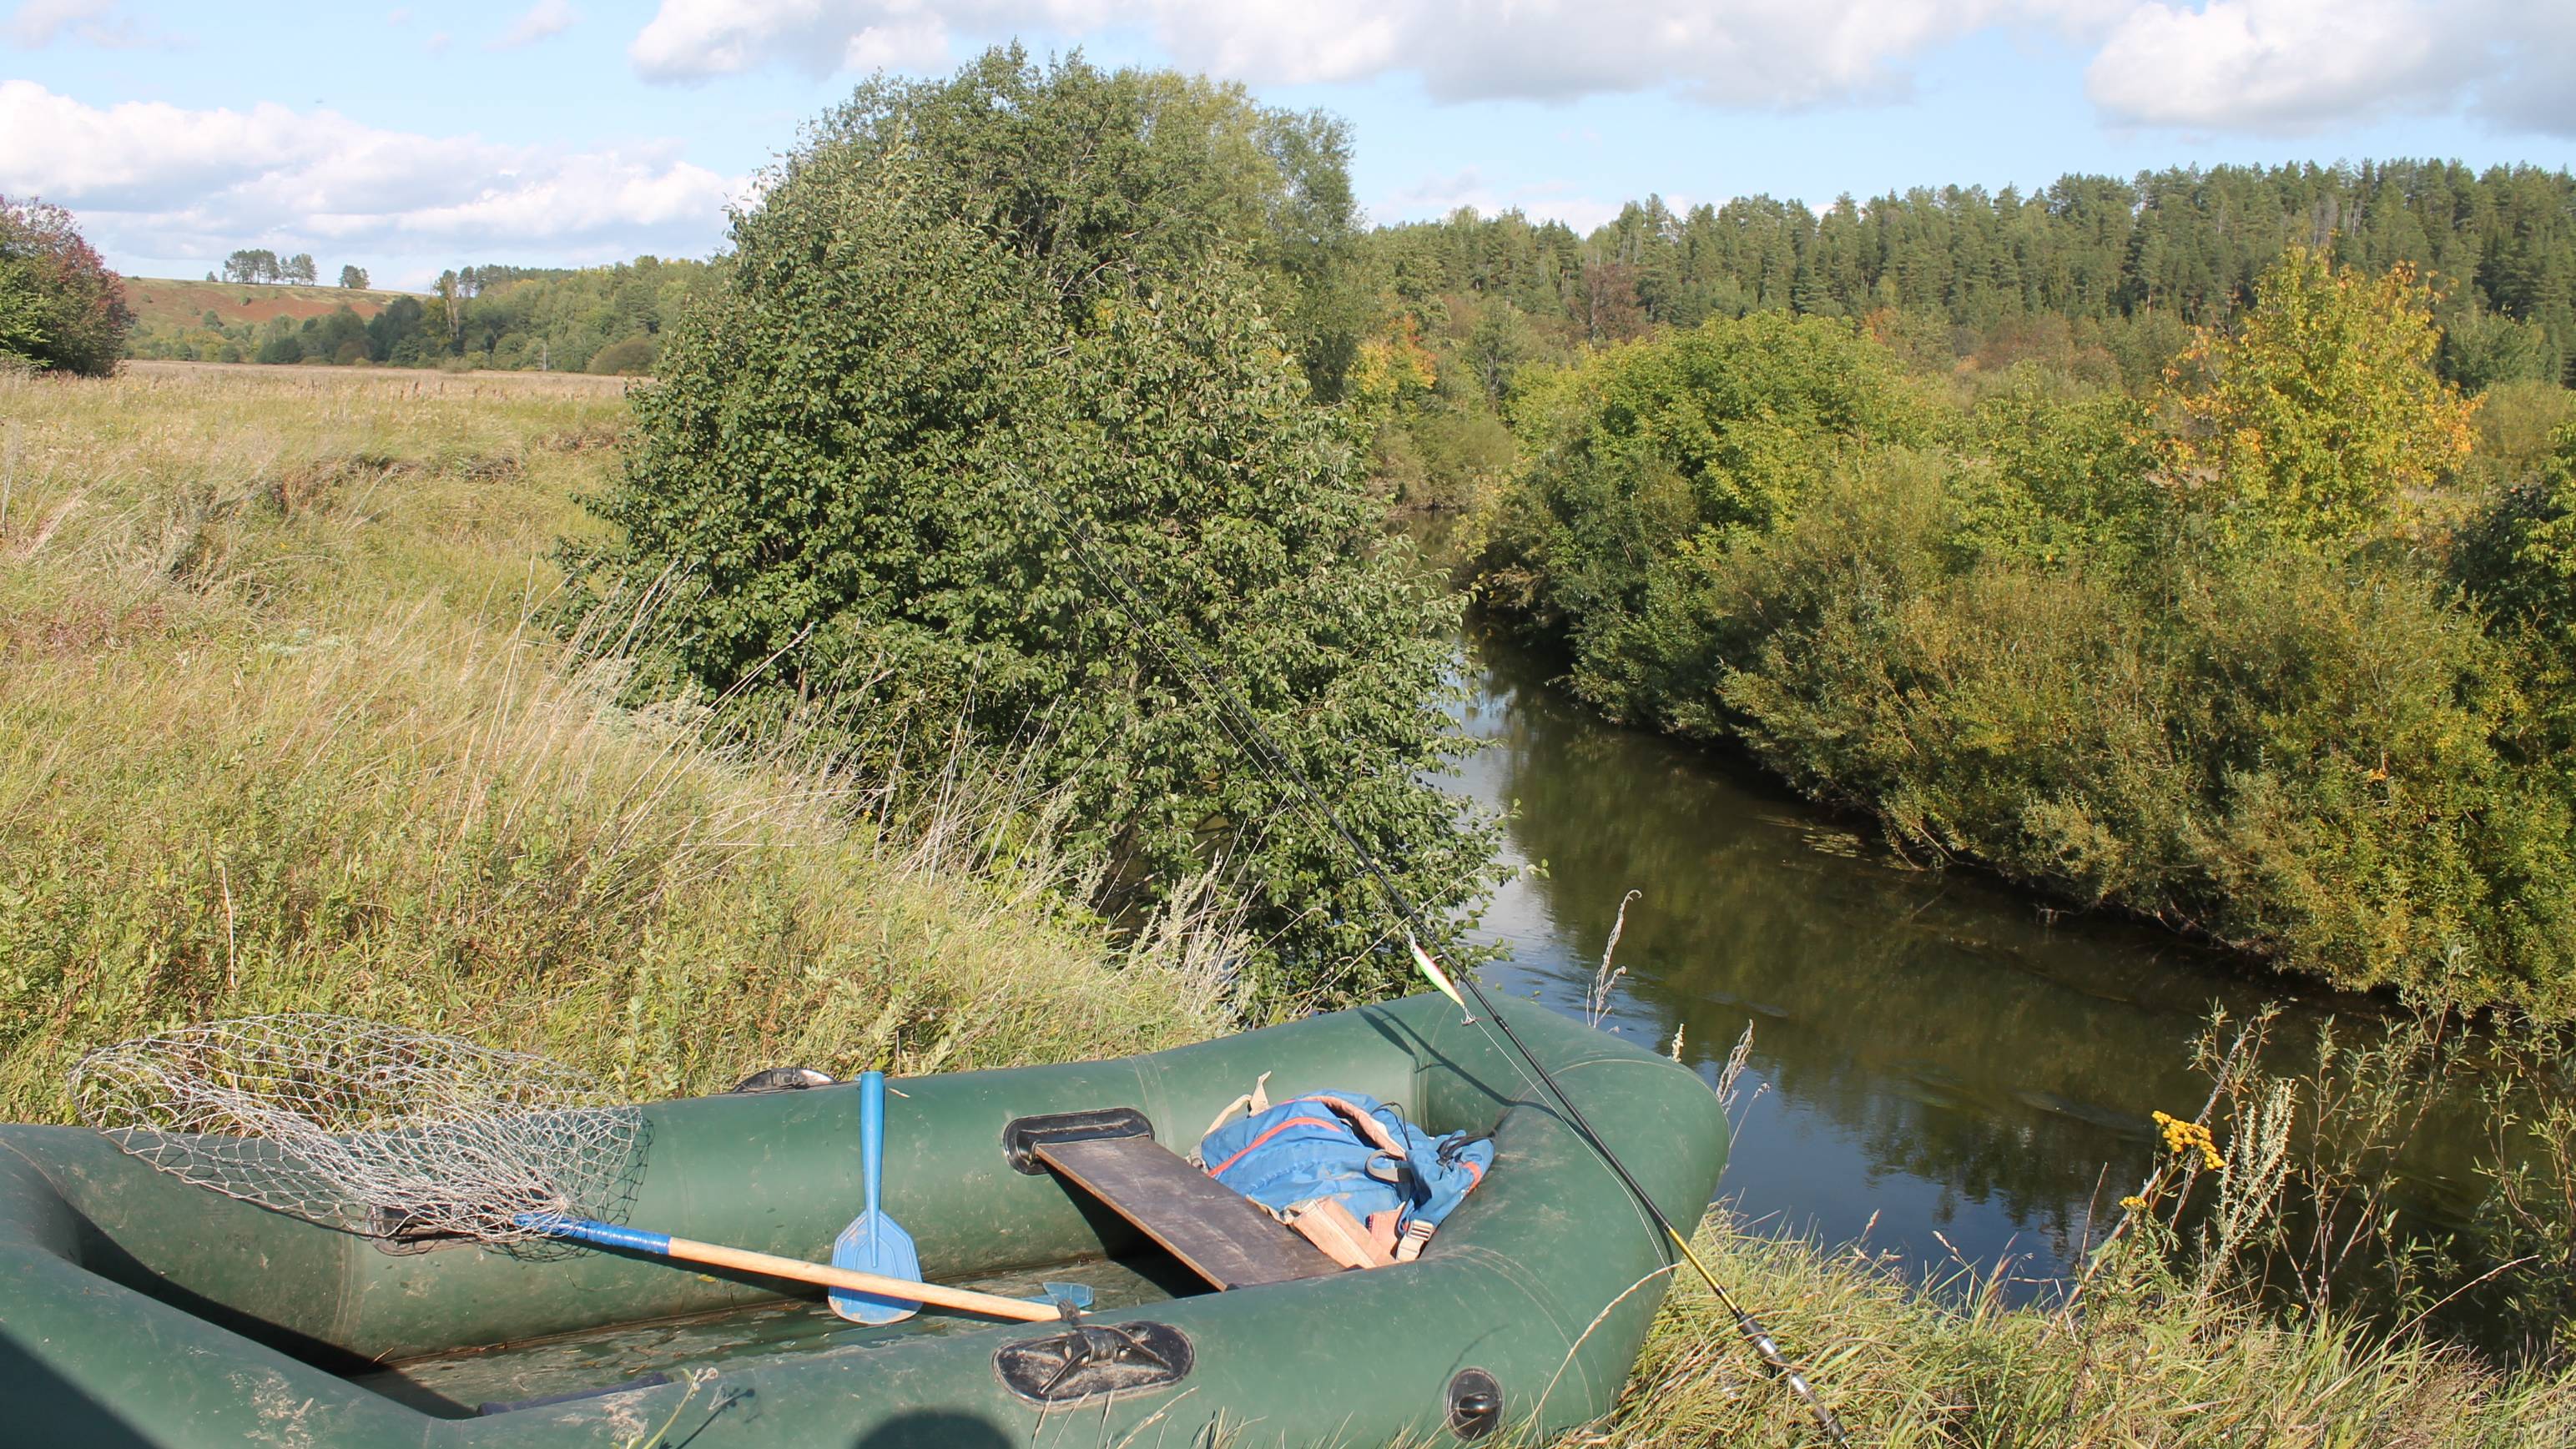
2134 1203
2182 1136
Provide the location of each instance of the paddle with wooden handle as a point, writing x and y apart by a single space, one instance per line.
795 1270
873 1242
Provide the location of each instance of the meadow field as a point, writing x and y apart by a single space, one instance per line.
277 732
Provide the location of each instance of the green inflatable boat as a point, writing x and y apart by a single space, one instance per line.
137 1309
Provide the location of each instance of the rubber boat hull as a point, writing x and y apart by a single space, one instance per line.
136 1309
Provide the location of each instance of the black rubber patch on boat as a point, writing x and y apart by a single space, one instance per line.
1021 1137
1475 1404
1088 1359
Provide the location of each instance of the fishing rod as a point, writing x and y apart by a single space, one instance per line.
1275 761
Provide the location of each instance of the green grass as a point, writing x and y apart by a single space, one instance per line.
2147 1362
274 736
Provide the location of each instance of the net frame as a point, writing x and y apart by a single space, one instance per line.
373 1129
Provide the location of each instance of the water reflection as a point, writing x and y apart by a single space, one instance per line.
1945 1068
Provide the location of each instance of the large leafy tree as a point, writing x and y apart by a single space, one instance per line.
60 306
1014 443
1100 178
2321 414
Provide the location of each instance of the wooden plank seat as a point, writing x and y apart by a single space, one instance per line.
1223 1236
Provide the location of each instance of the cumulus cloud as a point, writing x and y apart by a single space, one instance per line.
543 19
2270 67
694 39
36 24
1439 195
1745 53
2296 67
159 180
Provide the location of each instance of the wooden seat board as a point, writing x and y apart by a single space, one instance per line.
1223 1236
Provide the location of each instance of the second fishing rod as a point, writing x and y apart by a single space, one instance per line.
1245 728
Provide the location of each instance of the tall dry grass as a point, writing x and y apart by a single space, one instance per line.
274 735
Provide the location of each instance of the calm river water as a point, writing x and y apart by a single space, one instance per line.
1943 1066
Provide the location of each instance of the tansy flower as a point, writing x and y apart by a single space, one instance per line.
2182 1136
2134 1203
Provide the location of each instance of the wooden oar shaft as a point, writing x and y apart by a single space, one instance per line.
794 1270
770 1265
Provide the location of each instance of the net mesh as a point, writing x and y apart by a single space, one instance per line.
371 1128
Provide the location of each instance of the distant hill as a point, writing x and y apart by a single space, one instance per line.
605 320
169 304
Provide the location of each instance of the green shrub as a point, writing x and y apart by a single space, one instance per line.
883 450
2308 761
629 357
60 307
2517 562
1677 444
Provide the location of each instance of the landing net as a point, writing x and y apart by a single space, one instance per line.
370 1128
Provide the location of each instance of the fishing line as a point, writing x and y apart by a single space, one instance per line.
1275 762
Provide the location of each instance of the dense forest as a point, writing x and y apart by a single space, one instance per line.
2187 243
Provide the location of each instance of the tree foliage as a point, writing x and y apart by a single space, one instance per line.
2171 658
60 306
2320 412
2120 261
970 364
1651 452
1100 178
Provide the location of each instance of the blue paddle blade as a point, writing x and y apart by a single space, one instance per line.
872 1243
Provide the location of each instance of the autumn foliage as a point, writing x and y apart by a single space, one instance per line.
61 309
2320 416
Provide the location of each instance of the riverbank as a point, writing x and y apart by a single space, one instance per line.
2148 1361
2274 657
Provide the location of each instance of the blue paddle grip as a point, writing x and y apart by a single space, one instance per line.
606 1235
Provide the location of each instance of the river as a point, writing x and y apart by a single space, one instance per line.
1946 1070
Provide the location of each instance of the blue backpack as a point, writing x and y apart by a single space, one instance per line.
1348 1146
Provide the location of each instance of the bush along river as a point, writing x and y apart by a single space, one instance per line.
1947 1070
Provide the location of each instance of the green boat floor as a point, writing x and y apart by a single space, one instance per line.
453 1385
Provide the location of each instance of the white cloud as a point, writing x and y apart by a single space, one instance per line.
36 24
159 180
2270 67
2277 65
2296 67
1437 196
2537 91
544 19
1744 53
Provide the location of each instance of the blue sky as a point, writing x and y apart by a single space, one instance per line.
408 139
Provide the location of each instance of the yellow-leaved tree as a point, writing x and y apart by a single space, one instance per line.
2318 418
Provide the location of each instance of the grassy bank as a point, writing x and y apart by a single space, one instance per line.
2147 1361
274 735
